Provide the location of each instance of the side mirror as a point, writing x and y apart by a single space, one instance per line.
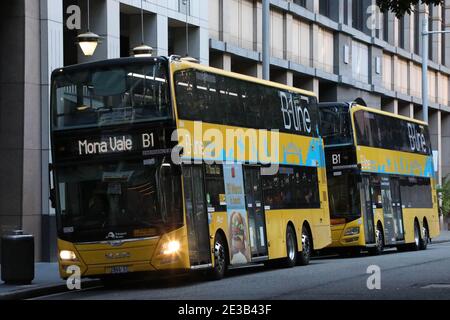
52 196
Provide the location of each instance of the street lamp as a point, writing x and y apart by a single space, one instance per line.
425 33
142 50
266 39
88 41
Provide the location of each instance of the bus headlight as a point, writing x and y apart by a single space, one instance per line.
67 255
351 231
171 247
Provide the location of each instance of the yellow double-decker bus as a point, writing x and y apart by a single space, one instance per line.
161 164
381 179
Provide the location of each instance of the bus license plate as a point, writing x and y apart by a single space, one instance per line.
119 269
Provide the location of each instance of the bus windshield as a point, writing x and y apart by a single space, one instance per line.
96 199
344 196
335 124
110 95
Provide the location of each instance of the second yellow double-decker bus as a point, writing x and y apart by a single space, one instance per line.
381 179
166 165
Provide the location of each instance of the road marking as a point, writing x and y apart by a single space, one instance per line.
437 286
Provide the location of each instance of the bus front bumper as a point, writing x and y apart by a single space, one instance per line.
347 235
129 257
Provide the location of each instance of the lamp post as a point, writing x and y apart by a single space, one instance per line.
88 41
142 50
425 34
266 39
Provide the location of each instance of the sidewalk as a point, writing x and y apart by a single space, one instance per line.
444 237
46 282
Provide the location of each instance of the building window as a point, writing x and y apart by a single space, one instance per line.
346 12
358 15
430 38
300 3
401 32
443 35
386 26
326 50
324 8
417 30
360 62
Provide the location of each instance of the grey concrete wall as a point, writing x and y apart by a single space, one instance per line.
20 127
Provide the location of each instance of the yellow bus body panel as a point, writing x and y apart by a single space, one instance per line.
139 256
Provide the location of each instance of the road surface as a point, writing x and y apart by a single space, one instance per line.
409 275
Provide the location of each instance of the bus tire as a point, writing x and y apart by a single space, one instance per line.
291 248
379 237
220 259
425 238
415 246
305 255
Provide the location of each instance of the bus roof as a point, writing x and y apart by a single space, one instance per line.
191 65
107 63
389 114
183 64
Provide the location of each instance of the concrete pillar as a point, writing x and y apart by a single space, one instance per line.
288 36
436 138
447 36
222 61
404 109
341 11
391 106
52 57
409 30
436 26
20 114
315 45
412 113
226 12
313 5
105 21
312 85
285 77
350 12
255 70
423 14
393 29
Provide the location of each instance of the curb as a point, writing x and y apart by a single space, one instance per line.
439 241
44 291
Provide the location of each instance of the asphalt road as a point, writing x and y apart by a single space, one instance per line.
409 275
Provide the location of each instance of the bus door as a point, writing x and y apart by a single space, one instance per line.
398 211
256 214
196 216
366 195
388 212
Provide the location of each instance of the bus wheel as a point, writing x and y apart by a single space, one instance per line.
305 255
220 259
424 239
415 246
379 237
291 247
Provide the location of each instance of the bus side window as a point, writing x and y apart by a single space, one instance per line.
215 188
376 192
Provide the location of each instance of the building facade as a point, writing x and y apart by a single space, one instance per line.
340 49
